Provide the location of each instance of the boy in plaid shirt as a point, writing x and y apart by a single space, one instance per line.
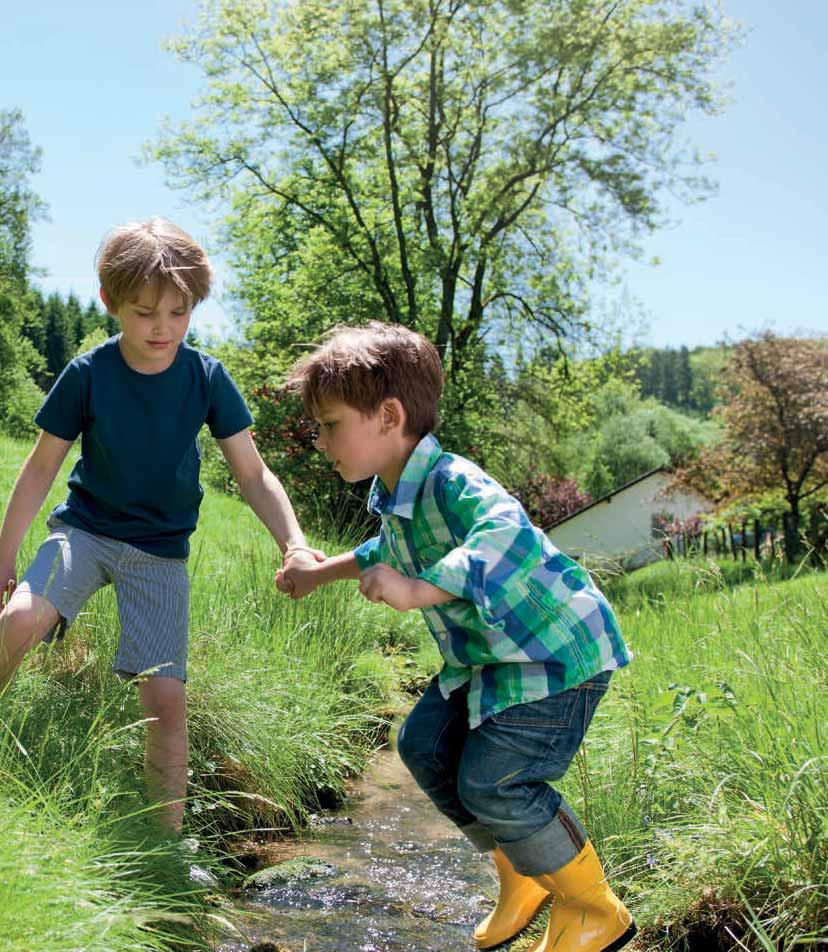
528 641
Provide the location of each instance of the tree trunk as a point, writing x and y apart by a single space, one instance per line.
790 522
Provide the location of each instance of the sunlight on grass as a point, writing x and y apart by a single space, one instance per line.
702 780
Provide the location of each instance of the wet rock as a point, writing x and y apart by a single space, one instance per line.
319 819
291 871
203 877
268 947
408 846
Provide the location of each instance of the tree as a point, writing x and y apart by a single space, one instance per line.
631 436
684 378
775 428
547 500
707 364
74 318
60 336
19 159
19 205
453 165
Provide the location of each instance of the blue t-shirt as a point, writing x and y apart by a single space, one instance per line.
137 476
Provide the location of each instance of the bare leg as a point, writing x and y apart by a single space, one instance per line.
23 623
164 702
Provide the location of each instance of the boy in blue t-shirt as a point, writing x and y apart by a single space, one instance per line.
138 402
527 640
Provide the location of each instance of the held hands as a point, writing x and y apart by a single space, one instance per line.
305 569
299 574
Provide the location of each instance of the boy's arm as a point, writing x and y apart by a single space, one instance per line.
382 583
33 484
497 546
299 579
262 490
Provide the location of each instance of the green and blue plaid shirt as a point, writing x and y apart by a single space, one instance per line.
528 621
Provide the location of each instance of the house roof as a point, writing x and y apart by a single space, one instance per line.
608 496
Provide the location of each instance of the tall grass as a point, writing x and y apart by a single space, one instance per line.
284 703
703 777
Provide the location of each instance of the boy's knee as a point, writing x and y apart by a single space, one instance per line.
407 747
479 791
164 703
416 750
26 619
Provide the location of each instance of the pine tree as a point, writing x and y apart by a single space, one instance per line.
74 320
684 378
60 342
669 388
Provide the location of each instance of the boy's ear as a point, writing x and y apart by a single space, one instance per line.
392 413
106 302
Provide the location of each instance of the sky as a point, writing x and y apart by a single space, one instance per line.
94 82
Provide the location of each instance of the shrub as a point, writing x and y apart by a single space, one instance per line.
548 499
285 438
21 399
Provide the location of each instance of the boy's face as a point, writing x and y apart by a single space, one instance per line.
152 327
357 444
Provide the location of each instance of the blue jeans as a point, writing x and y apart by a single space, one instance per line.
493 781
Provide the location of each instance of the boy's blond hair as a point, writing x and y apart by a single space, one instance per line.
364 365
155 253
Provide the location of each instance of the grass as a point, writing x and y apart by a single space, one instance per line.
702 779
285 703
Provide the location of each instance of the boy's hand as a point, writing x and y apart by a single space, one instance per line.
298 576
8 582
381 583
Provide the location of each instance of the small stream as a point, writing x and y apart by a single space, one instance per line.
398 877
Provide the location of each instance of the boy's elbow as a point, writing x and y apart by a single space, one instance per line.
253 479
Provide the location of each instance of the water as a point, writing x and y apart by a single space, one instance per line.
405 879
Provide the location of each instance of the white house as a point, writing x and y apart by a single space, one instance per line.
621 524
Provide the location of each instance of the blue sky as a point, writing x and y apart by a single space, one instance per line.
93 83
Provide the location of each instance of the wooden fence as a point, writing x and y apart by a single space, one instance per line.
748 539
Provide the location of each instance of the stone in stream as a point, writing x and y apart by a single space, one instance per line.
290 871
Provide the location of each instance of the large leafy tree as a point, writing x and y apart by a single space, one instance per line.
19 205
454 165
775 428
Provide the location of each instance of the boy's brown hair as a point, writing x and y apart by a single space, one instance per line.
364 365
154 252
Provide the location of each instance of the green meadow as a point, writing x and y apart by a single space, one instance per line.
702 780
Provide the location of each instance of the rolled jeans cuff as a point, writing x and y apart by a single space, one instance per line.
550 848
479 837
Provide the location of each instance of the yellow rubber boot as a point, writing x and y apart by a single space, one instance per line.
518 902
586 914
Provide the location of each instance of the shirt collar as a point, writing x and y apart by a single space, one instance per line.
401 501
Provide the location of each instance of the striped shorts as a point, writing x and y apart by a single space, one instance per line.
153 595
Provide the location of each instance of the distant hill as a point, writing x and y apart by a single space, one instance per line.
679 377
